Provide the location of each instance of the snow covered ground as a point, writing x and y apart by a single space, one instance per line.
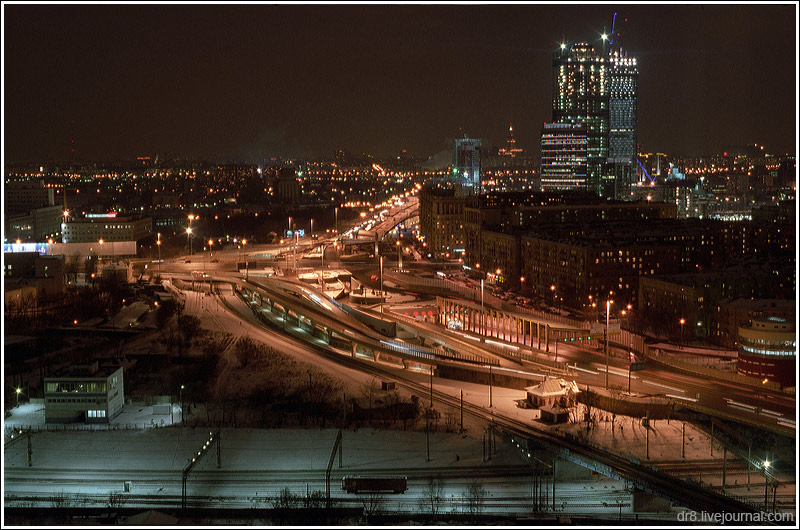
365 450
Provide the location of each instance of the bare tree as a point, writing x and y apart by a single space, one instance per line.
90 267
189 326
285 499
114 500
589 401
432 495
475 496
71 267
368 391
247 350
315 499
372 503
615 402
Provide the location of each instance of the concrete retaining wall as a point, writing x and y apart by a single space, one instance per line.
708 372
636 407
481 377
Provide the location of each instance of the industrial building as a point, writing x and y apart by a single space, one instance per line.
90 393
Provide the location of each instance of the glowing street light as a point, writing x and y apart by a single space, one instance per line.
766 482
18 391
246 270
181 400
608 314
680 344
399 256
158 244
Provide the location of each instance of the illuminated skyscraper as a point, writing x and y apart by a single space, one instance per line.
580 97
622 77
467 165
563 156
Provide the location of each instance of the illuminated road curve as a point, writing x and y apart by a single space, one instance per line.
642 477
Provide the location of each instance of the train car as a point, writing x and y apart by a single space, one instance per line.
375 484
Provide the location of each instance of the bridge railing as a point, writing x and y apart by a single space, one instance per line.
475 358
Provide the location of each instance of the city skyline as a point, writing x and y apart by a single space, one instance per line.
248 82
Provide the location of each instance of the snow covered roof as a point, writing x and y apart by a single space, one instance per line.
552 387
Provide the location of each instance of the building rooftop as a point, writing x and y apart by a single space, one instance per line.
759 304
95 370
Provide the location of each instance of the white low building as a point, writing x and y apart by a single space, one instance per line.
90 393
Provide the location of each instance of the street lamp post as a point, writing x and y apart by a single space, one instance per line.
189 233
680 344
311 232
399 256
336 216
181 400
158 244
553 290
608 314
18 392
380 294
246 270
766 483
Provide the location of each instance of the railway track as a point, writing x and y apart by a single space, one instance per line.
645 478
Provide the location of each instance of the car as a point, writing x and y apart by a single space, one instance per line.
215 260
188 261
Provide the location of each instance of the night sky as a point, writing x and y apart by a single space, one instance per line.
241 83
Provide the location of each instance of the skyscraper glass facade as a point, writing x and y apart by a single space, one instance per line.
564 148
580 96
623 74
467 163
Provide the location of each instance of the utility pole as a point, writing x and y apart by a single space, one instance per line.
748 467
683 443
427 437
462 411
490 386
647 434
724 465
605 333
629 375
431 372
554 484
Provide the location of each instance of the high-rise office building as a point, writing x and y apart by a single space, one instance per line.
580 96
564 148
467 166
622 77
